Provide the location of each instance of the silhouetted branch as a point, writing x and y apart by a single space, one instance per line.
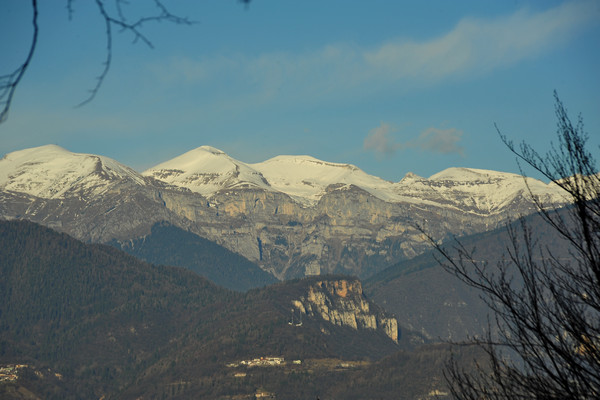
9 82
120 21
547 309
114 17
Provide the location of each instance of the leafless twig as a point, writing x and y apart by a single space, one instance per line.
9 82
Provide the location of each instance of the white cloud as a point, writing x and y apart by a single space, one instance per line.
482 45
473 46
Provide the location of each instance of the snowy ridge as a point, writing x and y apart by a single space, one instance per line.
306 178
491 190
52 172
206 170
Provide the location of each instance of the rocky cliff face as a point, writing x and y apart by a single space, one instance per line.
349 231
341 302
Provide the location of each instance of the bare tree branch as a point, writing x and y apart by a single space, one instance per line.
546 344
113 17
9 82
135 28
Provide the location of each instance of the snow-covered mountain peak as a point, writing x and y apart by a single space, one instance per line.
306 178
41 153
206 170
52 172
303 160
409 177
209 149
458 174
491 190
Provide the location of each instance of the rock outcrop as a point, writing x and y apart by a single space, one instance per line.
341 302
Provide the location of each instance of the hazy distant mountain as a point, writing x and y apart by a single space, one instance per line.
291 215
170 245
428 299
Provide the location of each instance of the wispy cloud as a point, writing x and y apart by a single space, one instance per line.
474 46
380 141
443 141
482 45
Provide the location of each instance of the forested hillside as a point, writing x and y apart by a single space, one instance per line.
90 311
88 321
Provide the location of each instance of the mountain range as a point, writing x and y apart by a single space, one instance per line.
292 216
85 320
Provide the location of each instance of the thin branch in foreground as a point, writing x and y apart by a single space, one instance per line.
546 304
9 82
119 20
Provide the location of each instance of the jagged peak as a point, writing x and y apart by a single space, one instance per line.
411 176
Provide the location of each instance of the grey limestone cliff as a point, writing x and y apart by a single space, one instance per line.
341 302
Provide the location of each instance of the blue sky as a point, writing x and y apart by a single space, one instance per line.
389 86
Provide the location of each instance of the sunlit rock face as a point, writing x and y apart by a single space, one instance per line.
341 302
348 231
292 215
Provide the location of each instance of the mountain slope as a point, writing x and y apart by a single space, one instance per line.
93 313
91 197
430 300
169 245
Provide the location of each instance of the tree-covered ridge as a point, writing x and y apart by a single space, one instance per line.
90 311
